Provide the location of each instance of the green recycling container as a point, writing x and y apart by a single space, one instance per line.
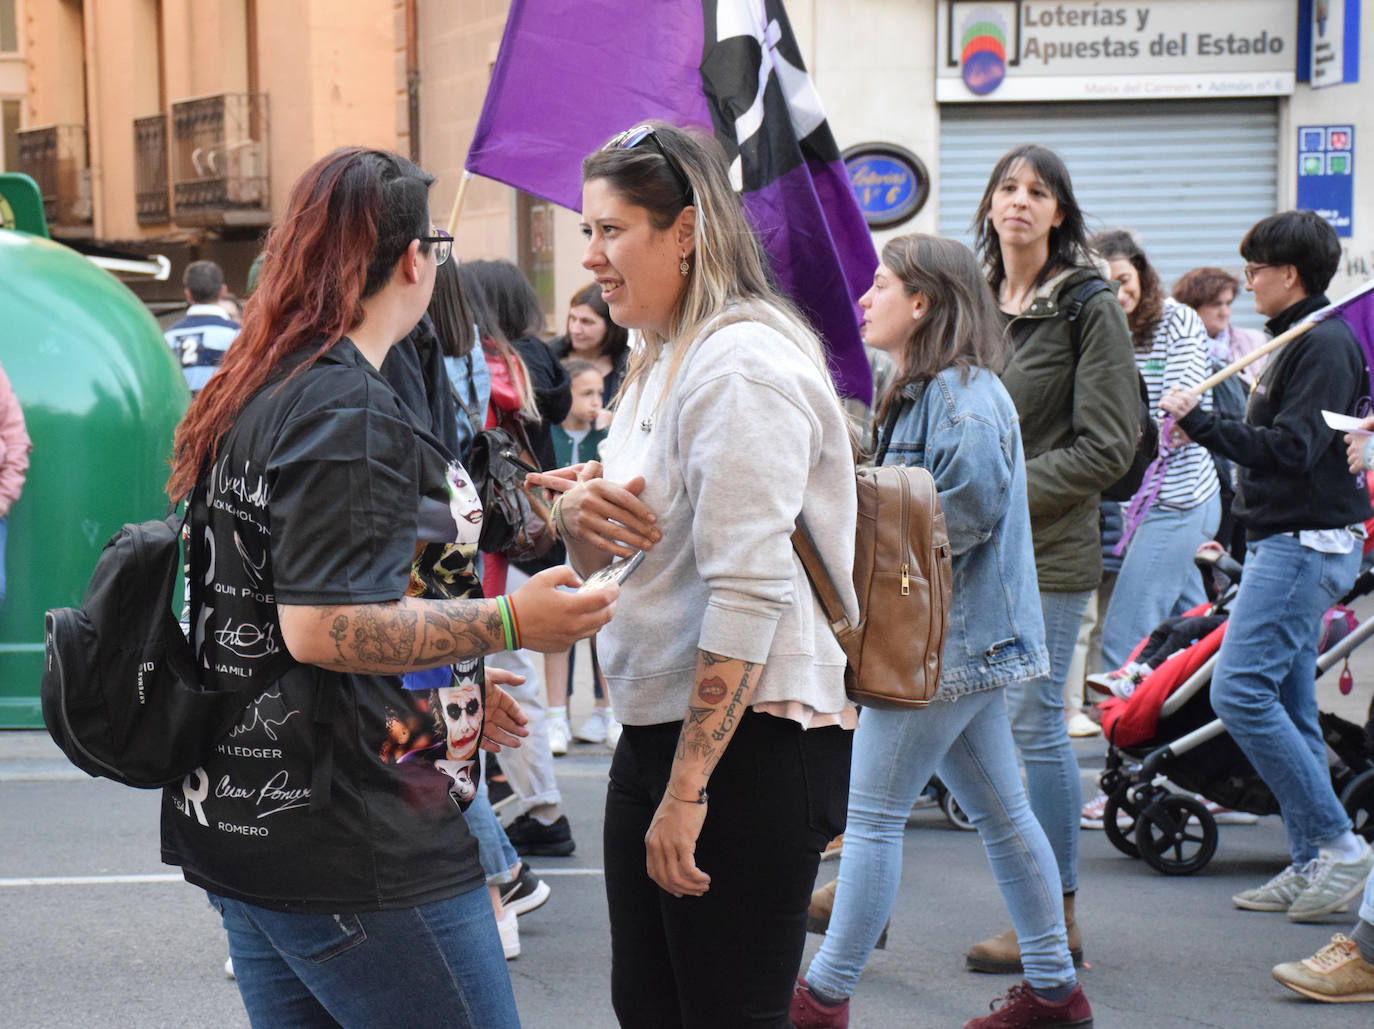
102 395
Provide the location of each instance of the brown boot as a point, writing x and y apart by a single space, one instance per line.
1002 956
818 914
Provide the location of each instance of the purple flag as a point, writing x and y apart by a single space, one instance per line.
572 73
1356 309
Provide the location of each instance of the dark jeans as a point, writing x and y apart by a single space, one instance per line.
727 959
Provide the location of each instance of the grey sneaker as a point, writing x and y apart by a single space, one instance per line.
1277 894
1331 885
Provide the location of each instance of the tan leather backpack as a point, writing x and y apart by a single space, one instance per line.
902 578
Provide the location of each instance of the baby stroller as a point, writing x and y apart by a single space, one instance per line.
1166 734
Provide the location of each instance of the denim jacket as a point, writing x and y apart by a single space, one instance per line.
966 436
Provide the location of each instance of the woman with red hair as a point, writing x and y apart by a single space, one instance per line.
331 551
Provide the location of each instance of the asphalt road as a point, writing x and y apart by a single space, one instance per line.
95 932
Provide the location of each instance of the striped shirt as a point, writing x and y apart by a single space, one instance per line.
1180 357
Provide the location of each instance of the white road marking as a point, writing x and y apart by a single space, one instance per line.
158 878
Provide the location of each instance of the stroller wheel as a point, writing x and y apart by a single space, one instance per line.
1176 835
1358 800
1119 819
954 812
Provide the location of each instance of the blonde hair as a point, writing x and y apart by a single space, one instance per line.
728 279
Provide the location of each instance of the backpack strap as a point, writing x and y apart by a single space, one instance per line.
894 412
1071 308
469 406
820 580
1074 302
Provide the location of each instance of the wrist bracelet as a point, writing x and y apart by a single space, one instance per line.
702 798
556 516
508 623
553 514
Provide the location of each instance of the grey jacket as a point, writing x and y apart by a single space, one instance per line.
747 436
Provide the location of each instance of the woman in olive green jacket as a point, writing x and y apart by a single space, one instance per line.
1073 380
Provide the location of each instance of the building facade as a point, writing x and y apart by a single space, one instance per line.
1184 121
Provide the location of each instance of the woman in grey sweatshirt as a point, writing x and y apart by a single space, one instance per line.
720 663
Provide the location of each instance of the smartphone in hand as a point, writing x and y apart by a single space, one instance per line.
614 573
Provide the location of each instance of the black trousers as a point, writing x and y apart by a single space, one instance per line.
727 959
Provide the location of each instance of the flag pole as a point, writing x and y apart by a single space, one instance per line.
1254 355
1279 340
458 203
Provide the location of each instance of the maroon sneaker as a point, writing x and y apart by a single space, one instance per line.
1023 1008
807 1012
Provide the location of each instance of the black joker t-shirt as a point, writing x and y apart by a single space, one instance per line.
325 493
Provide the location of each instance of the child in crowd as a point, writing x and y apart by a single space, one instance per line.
574 441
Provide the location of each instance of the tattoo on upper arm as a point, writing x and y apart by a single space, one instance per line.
708 659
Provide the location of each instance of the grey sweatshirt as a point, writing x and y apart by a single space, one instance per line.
747 436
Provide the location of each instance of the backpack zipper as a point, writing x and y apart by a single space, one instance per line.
906 541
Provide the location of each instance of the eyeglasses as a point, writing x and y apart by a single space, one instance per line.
631 138
1250 270
443 244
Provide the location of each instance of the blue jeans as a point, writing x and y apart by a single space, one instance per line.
1264 687
396 967
1042 737
1367 904
1157 577
968 741
494 849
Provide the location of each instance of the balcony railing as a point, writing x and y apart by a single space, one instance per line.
55 157
150 170
219 160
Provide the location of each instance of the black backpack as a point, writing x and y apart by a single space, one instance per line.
119 690
1147 435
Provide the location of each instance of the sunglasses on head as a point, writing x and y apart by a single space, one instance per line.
631 138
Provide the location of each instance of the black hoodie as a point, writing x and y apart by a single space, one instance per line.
1293 472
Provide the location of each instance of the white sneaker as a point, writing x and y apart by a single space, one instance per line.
612 730
594 728
559 734
229 968
1081 725
509 929
1225 816
1331 884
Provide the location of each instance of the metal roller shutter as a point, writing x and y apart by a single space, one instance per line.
1189 177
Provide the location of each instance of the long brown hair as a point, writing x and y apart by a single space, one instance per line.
961 328
1068 240
1120 245
349 219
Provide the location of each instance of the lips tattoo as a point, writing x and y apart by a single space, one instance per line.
712 690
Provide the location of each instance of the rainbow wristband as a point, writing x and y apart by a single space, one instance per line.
514 624
508 624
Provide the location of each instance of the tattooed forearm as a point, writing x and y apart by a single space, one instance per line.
727 723
712 718
409 634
